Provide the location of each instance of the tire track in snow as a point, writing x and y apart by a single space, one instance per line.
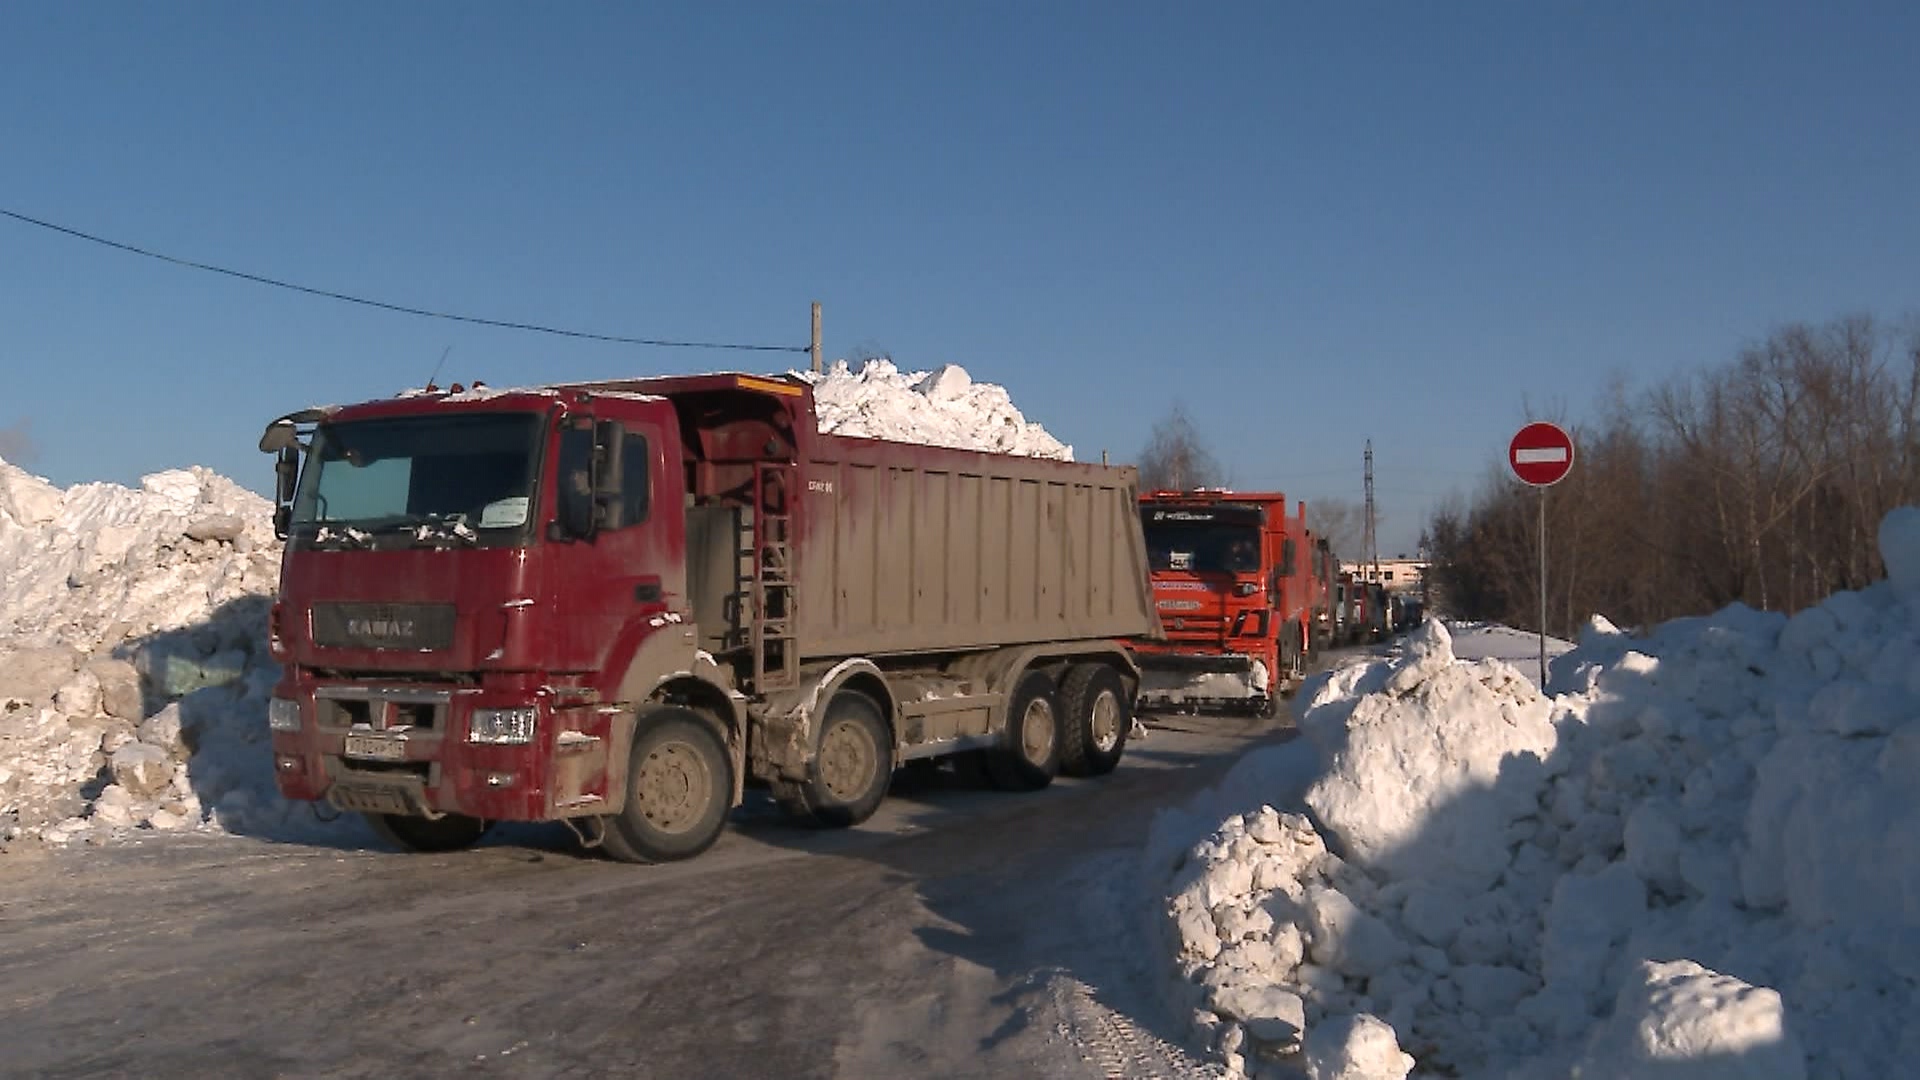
1100 1024
1119 1048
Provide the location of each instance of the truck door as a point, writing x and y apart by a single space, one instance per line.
626 577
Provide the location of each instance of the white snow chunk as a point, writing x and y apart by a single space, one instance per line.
1680 1019
1358 1047
142 769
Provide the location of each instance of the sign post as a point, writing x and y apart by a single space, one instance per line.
1541 454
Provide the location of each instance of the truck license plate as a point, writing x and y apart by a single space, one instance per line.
377 747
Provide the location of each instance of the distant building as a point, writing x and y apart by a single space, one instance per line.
1396 575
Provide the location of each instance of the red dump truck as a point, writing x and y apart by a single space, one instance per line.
617 604
1325 595
1233 583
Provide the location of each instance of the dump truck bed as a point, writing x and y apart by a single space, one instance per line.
911 548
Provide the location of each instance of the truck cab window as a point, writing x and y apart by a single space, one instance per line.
635 486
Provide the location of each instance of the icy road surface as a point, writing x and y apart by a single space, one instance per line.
959 933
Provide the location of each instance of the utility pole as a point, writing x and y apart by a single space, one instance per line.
816 337
1370 548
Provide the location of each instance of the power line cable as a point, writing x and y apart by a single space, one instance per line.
401 308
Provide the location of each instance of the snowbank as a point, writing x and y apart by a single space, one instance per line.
134 673
944 407
95 564
133 665
1700 857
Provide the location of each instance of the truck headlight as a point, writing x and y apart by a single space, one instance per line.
502 725
283 715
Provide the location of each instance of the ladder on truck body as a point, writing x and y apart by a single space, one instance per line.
765 575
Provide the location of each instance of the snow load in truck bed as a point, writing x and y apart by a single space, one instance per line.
943 407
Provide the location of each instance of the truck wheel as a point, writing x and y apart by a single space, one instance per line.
852 765
1028 756
679 785
453 832
1095 717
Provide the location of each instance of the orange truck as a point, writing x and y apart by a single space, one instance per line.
1234 587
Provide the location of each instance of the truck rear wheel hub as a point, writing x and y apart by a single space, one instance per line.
1037 730
1105 722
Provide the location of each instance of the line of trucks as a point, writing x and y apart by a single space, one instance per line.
620 604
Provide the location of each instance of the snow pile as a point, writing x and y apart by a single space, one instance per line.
98 563
133 665
944 407
1700 857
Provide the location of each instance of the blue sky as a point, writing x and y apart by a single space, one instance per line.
1312 225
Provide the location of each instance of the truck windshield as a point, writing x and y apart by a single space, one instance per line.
1203 548
466 478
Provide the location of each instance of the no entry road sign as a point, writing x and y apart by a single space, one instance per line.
1541 454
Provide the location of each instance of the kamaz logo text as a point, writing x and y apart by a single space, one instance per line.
385 629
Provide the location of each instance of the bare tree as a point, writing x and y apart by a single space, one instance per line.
1338 521
1760 480
17 444
1175 458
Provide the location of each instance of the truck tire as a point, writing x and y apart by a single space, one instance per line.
1095 717
679 790
1028 757
454 832
852 766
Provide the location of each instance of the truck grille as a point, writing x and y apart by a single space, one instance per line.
1195 627
381 707
413 627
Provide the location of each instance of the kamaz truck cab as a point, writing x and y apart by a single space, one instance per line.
1232 583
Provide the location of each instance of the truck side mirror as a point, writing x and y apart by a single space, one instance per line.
286 473
609 458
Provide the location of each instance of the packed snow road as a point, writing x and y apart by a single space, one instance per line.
958 933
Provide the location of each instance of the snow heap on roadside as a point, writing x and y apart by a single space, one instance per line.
95 564
133 666
944 407
1700 858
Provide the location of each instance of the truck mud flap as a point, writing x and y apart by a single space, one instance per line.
378 796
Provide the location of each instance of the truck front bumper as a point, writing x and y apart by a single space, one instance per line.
1203 680
406 751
